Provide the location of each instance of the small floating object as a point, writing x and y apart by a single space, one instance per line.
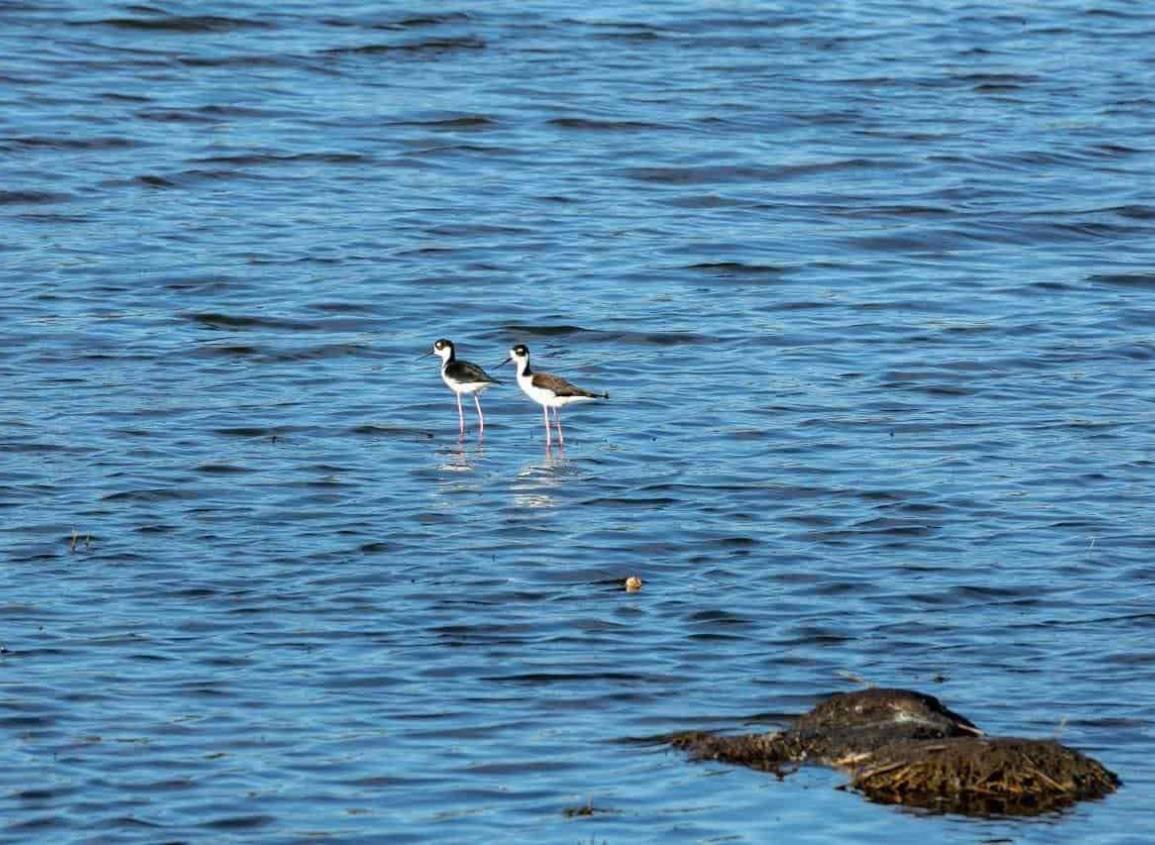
586 809
633 583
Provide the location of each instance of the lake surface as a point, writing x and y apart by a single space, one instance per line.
872 289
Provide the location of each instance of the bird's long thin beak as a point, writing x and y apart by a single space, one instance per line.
423 355
503 362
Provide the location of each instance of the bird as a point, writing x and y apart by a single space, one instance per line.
547 390
462 377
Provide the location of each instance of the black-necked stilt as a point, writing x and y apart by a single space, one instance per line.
547 390
462 377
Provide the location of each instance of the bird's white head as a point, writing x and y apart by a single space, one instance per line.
520 357
443 349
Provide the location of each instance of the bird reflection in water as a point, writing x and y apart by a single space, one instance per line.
538 480
461 456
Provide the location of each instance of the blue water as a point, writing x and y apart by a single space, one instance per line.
872 288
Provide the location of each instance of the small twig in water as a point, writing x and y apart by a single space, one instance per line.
853 678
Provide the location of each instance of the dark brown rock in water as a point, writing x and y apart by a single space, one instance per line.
775 752
996 776
845 725
880 707
904 747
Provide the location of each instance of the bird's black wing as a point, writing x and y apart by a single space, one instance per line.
468 372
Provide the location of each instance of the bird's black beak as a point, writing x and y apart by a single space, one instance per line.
505 361
423 355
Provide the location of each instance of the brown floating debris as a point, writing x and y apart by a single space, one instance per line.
586 809
905 747
633 583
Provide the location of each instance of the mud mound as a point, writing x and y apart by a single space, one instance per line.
771 752
878 707
1007 776
840 747
904 747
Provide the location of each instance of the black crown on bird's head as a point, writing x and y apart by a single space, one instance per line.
443 349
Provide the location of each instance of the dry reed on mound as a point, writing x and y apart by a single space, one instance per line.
1007 776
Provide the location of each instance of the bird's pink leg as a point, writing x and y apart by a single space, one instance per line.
545 411
480 416
460 417
557 416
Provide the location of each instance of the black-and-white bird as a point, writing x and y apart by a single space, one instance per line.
462 377
548 390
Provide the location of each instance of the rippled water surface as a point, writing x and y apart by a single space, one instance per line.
872 288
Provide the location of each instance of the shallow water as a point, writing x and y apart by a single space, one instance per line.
873 292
